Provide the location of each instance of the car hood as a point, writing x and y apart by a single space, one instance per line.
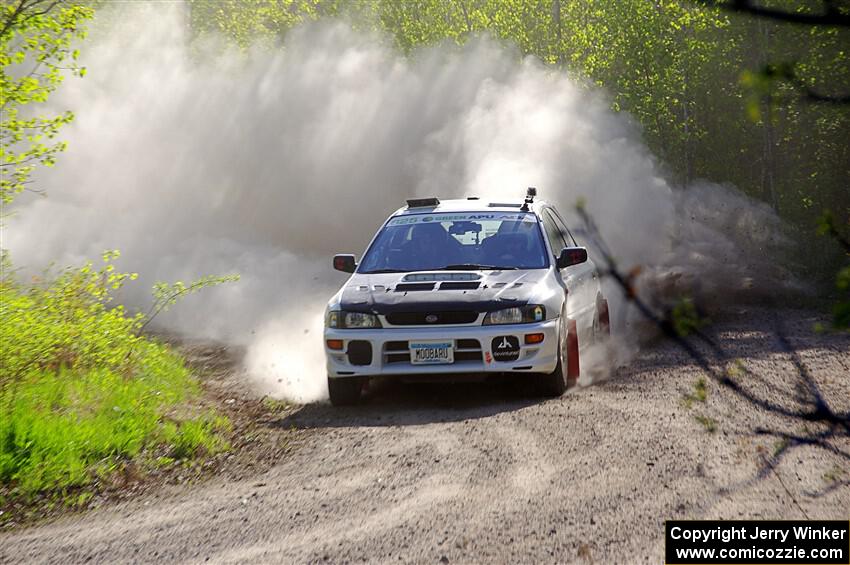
482 291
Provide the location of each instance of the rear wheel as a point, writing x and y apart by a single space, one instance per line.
566 373
345 391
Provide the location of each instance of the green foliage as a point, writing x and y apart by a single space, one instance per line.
247 22
700 393
841 309
36 50
167 294
66 427
275 405
186 439
835 474
66 321
780 446
708 424
690 74
82 392
735 370
685 317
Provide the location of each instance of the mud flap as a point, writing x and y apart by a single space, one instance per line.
604 317
573 369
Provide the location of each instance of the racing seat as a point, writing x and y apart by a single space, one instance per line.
506 248
430 244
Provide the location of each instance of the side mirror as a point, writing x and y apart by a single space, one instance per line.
345 263
571 256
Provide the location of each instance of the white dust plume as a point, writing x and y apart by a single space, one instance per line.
194 161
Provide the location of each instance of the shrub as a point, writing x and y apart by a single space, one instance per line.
82 392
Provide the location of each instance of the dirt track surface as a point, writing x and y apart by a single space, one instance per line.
476 473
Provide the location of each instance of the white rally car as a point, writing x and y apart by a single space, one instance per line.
465 286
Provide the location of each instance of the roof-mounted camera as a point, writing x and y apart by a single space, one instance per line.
529 198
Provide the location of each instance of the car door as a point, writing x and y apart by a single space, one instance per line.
595 287
556 243
580 280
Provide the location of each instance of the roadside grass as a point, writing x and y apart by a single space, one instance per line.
65 428
83 395
275 405
708 424
699 394
835 474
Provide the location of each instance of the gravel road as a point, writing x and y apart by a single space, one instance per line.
477 473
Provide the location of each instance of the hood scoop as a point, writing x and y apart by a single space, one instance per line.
460 285
414 287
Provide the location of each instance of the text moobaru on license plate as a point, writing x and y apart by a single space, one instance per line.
431 352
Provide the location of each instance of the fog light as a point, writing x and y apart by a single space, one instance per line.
334 344
359 352
531 339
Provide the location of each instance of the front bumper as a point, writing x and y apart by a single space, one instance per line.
473 350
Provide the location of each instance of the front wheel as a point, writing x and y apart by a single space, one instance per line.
566 373
345 391
554 384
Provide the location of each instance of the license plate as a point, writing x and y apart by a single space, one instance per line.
431 352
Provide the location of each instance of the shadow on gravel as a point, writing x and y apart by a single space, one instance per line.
743 343
393 403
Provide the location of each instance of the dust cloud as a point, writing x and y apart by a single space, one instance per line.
195 160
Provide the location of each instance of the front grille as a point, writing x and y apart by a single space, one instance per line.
391 358
468 356
465 350
424 318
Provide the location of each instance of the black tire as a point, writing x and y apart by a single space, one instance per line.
345 391
556 383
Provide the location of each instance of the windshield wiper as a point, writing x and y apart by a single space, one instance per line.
474 267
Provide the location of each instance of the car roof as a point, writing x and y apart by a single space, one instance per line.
472 204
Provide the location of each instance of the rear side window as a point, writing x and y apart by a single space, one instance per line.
565 232
553 234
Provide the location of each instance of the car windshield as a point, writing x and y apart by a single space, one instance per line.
457 241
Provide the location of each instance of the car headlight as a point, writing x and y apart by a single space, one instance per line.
517 315
351 320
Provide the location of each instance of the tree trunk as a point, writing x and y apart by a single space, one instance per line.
556 22
768 187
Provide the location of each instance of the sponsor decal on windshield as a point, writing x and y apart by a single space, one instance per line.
462 217
427 277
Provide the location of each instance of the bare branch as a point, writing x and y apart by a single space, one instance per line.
829 17
815 409
787 73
